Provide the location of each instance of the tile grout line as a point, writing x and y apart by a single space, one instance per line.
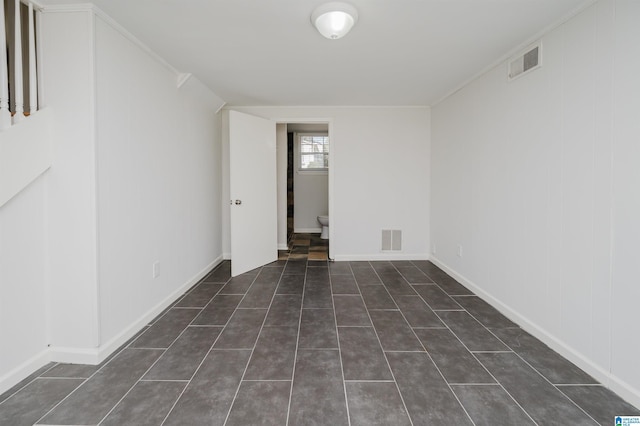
246 367
530 366
173 406
166 349
427 352
407 280
134 385
486 369
393 285
335 321
295 354
173 304
516 354
114 356
30 382
477 360
375 331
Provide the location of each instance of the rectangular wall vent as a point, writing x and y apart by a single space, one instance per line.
525 62
391 240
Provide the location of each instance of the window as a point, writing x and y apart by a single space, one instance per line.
313 152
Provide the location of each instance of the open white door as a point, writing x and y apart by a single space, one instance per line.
253 186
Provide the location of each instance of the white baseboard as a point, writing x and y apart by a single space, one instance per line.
307 230
617 385
380 257
283 247
19 373
94 356
73 355
113 344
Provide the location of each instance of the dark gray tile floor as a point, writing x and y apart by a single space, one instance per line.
303 342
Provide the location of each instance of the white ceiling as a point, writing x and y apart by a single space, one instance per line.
401 52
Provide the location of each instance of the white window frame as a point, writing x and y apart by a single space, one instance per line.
298 153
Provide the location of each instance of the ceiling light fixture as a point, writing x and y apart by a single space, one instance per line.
334 20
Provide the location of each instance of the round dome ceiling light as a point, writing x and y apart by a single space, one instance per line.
335 19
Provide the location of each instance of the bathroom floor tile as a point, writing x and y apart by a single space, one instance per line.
300 250
298 256
318 256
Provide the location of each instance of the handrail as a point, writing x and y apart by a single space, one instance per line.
33 78
14 96
17 65
5 114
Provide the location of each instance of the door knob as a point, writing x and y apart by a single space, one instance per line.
238 202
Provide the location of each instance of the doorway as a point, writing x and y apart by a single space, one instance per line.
303 188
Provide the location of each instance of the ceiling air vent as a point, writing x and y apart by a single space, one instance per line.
525 62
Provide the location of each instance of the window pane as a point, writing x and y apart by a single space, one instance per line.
313 161
314 152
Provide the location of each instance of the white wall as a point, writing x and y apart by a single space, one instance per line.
67 79
135 178
537 180
158 181
625 198
25 155
379 164
310 200
23 304
47 244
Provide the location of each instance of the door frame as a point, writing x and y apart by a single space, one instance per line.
329 123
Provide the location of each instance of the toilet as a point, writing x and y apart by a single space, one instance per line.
324 221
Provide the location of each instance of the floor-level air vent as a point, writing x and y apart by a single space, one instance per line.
391 240
525 62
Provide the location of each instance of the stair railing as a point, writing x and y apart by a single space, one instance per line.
12 109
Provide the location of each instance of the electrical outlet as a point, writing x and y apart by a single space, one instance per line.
459 250
156 269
